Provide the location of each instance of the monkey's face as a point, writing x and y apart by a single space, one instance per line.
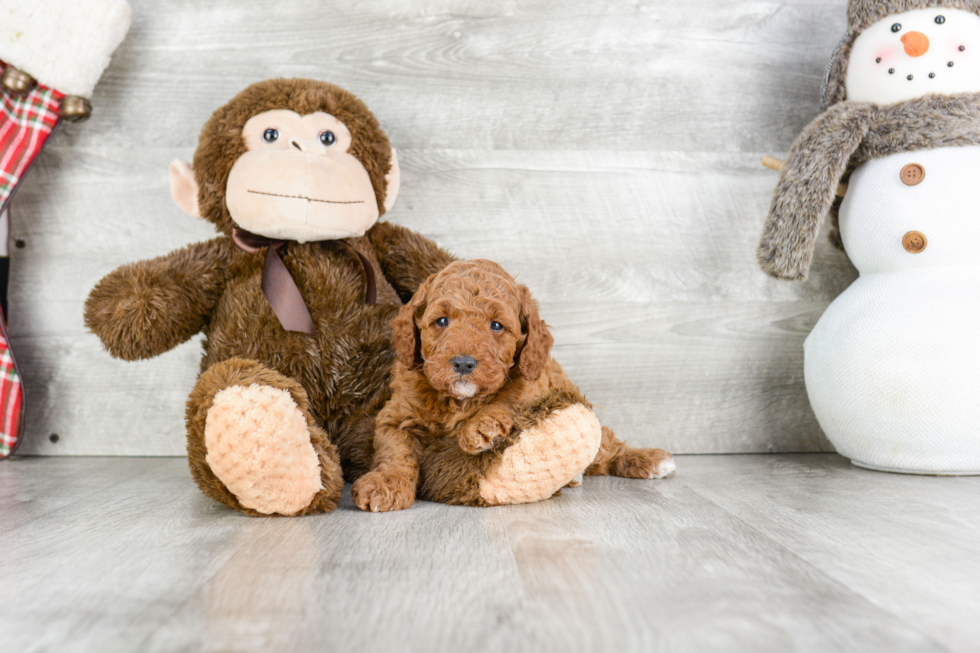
299 181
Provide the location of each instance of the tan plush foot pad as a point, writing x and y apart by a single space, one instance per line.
259 446
547 457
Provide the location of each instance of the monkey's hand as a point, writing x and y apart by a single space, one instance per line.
485 429
143 309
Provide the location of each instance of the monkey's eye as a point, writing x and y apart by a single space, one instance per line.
327 138
270 135
496 326
940 20
443 322
897 27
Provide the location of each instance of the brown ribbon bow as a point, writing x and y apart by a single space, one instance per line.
280 288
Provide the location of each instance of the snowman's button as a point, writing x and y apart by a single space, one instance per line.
914 242
913 174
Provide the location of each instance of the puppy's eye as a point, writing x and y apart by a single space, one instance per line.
940 20
327 138
442 321
270 135
496 326
897 27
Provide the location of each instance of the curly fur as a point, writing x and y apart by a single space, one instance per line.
428 435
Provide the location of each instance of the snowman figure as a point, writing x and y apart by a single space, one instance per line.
892 368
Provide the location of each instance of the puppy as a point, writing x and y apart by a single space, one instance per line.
471 349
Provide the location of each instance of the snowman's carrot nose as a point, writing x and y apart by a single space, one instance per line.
916 44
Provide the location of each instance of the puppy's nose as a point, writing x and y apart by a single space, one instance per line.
463 364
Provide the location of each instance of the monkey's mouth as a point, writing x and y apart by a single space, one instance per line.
308 199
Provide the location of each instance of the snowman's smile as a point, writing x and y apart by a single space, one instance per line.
917 46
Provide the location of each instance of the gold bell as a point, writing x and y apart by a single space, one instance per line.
75 108
17 81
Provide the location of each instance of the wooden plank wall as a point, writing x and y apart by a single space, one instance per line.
606 151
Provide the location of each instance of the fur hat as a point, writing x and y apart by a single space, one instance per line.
861 14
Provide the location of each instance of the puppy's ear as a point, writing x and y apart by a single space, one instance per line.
405 336
534 355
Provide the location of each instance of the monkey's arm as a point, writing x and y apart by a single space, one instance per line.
807 187
407 259
143 309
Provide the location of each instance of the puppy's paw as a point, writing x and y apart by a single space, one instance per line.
380 492
483 432
577 481
644 463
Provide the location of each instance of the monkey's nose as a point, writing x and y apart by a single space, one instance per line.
463 364
916 44
304 146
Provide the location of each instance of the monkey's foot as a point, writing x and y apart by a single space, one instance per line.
545 458
259 445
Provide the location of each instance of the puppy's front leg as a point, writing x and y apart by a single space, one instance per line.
391 483
486 428
616 458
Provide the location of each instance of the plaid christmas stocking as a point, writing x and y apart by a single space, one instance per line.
11 396
52 53
26 122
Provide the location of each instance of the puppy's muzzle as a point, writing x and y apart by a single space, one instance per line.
463 364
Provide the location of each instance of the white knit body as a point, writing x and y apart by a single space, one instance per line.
892 367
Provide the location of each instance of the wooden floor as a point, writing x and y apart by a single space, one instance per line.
734 553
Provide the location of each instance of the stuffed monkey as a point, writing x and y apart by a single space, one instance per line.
295 296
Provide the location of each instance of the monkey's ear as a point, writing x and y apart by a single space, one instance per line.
392 182
183 187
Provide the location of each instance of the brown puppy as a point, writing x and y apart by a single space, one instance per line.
472 352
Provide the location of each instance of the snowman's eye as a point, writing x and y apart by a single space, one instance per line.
940 20
897 27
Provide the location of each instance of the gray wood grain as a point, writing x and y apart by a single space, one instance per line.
605 152
734 553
